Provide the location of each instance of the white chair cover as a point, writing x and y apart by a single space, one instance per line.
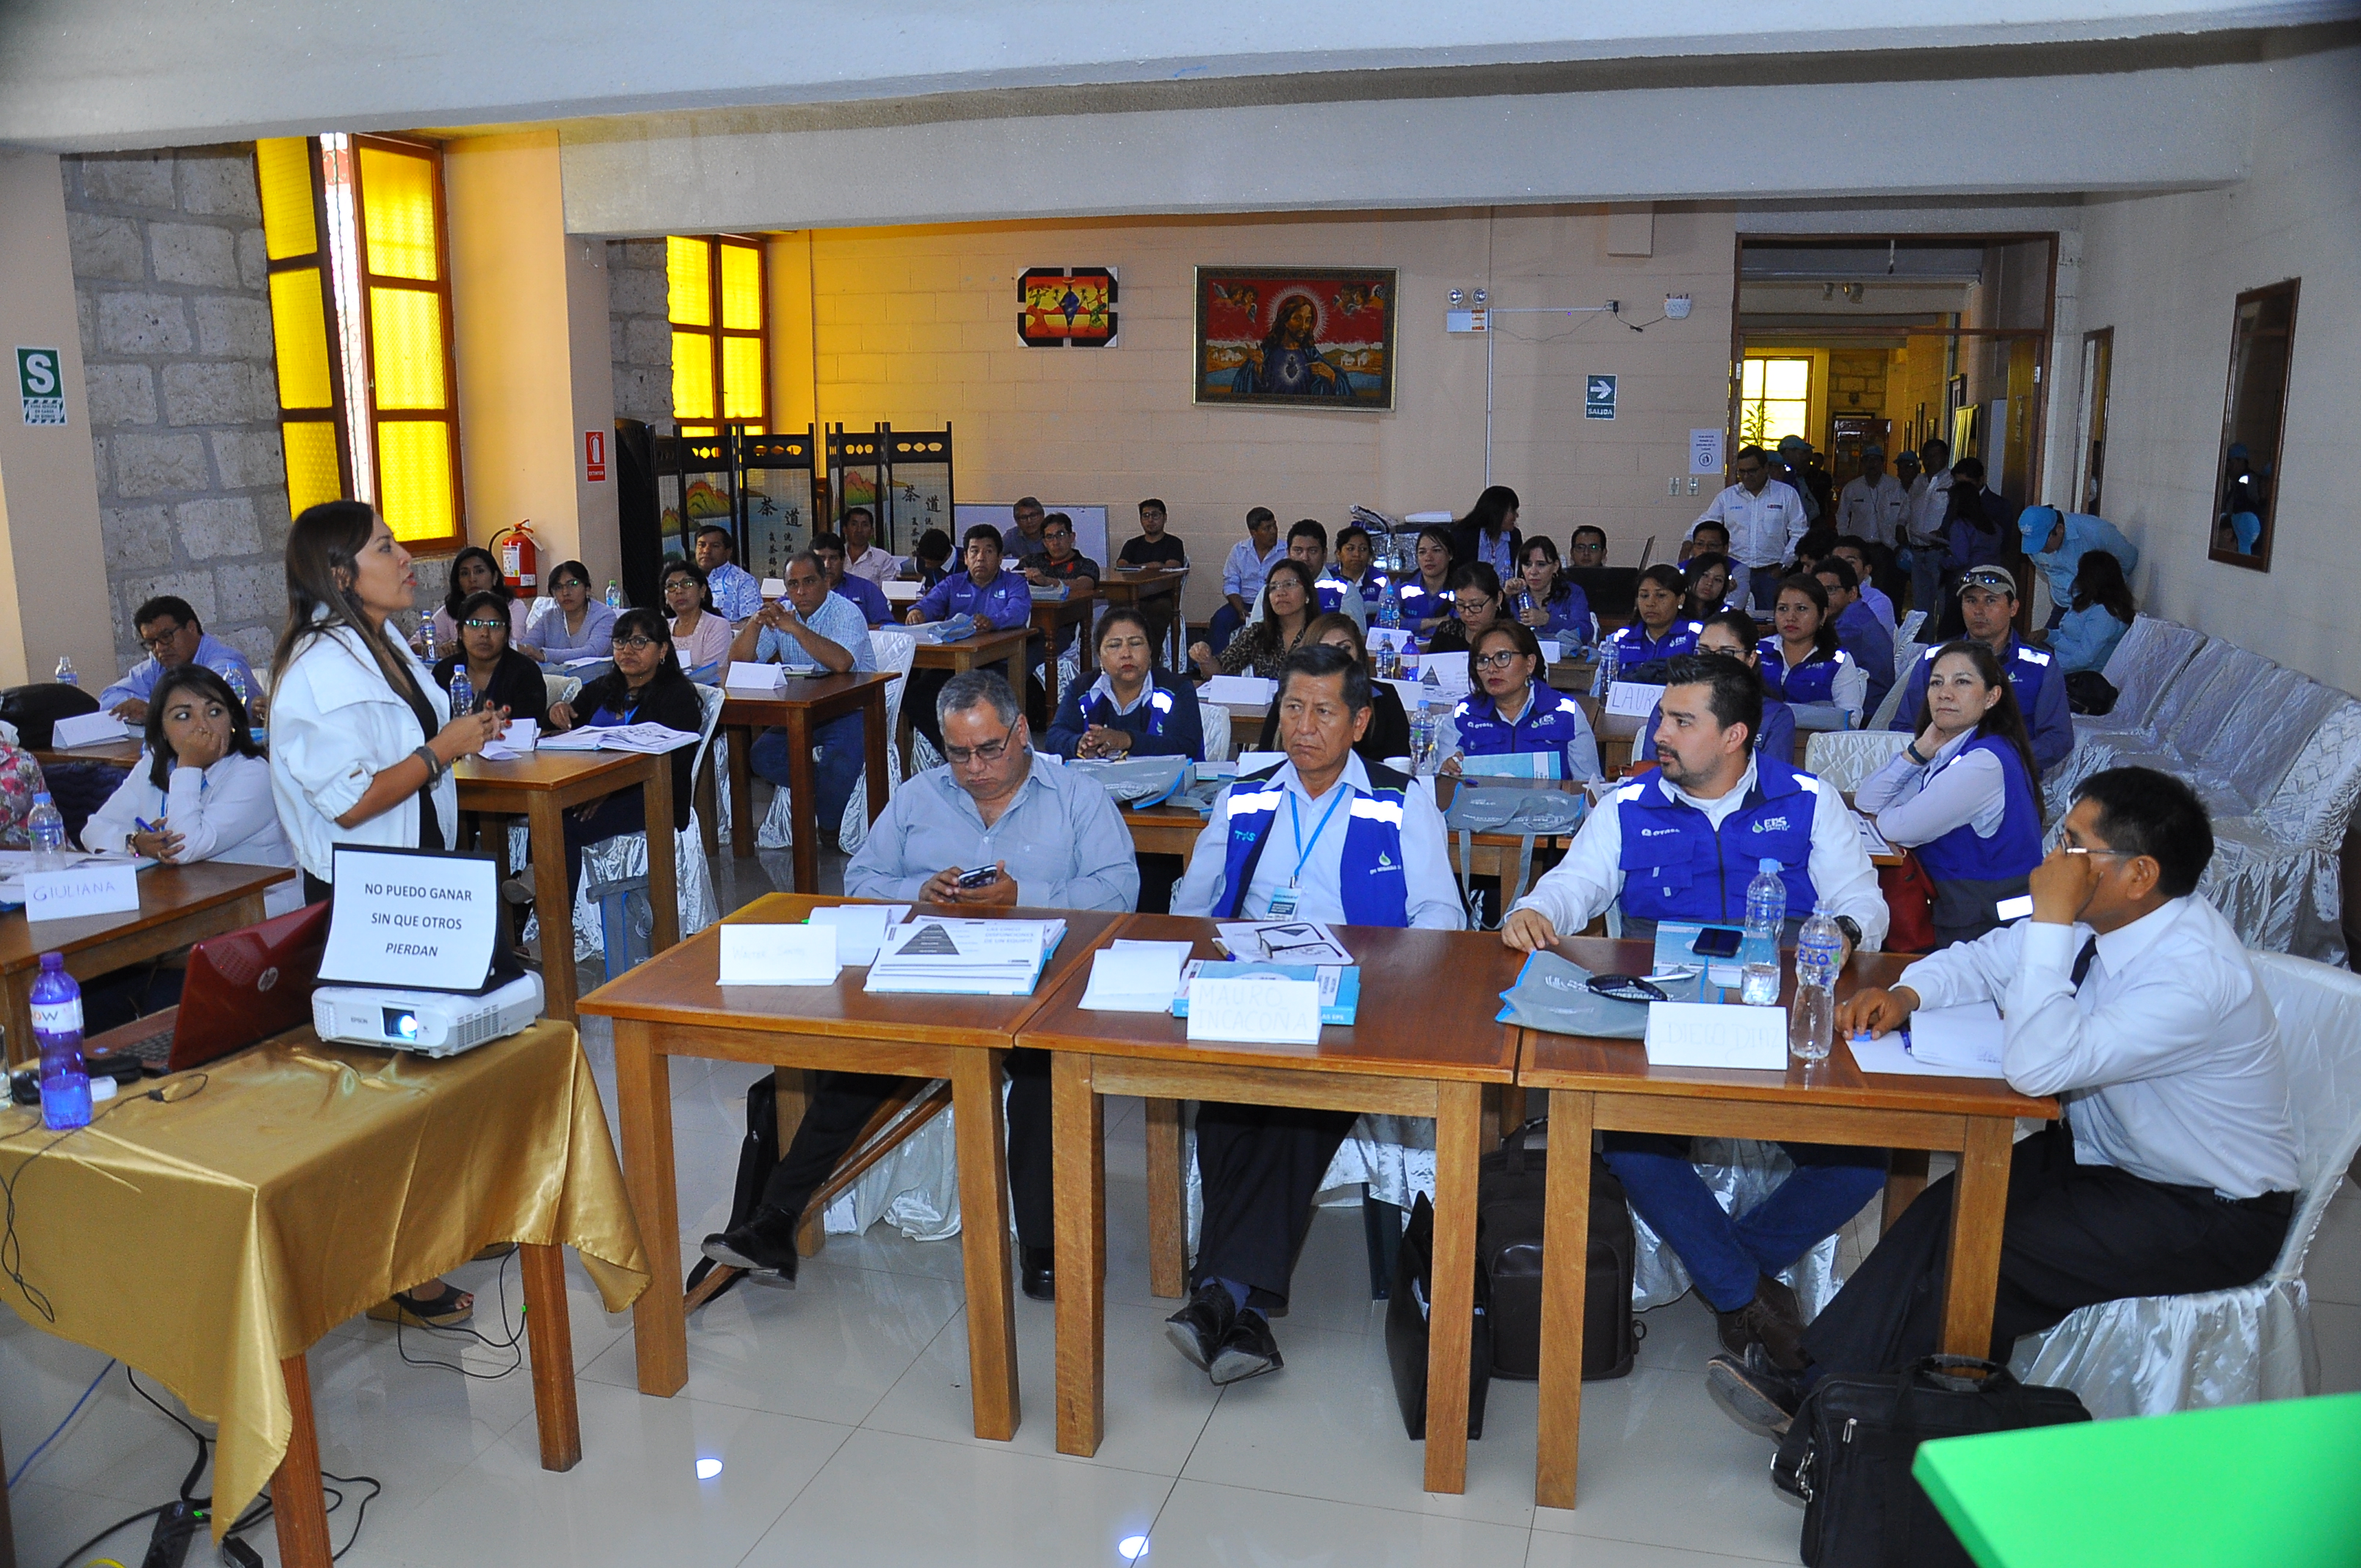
2152 652
1845 757
2096 750
1907 630
561 688
1905 655
2152 1354
893 651
1216 721
2275 875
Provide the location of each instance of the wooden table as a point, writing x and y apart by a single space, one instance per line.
1049 617
124 753
542 787
1607 1085
1005 647
1416 1050
1132 587
674 1006
178 905
800 709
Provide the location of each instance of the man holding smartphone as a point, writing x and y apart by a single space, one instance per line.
991 828
1683 844
816 632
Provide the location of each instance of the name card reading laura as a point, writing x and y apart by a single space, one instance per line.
412 919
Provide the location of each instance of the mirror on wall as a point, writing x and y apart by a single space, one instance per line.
2245 483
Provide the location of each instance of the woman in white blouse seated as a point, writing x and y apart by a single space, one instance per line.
1964 794
202 792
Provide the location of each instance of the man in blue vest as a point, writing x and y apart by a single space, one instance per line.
1683 844
1988 606
1321 836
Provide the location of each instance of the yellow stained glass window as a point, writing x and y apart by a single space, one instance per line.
742 378
741 287
691 289
283 170
414 486
1774 401
298 327
406 334
692 376
398 213
311 473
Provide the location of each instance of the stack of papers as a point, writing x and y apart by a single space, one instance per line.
650 738
1941 1042
958 629
1336 988
965 957
1281 941
1135 977
1871 840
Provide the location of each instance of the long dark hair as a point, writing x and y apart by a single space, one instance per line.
2099 579
1490 512
1824 640
1266 632
651 624
326 539
1559 588
482 600
2006 719
1693 571
564 568
451 599
205 683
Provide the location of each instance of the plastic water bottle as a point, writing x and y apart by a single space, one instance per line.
65 675
57 1029
1610 664
462 691
1422 738
1766 907
1811 1022
1389 611
46 826
614 593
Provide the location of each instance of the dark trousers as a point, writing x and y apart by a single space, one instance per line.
837 758
1226 624
619 813
1260 1167
2074 1235
1726 1252
847 1100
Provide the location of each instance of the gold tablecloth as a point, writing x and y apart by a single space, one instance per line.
206 1240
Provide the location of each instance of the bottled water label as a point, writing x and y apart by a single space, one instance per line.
1815 962
57 1017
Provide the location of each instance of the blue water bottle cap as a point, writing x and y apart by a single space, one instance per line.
42 797
53 961
1766 865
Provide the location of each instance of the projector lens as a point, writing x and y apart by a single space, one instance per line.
400 1025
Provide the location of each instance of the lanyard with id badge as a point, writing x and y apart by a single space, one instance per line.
1285 902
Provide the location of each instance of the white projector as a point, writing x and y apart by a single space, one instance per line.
431 1023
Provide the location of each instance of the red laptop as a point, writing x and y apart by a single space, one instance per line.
243 986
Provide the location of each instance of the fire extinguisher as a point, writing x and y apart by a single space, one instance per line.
520 558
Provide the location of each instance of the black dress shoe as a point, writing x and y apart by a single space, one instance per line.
1041 1278
1197 1330
1247 1351
1753 1392
1773 1319
765 1245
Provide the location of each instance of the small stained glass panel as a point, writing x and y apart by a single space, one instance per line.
283 170
741 287
692 376
398 211
311 475
742 378
406 334
691 287
300 330
414 478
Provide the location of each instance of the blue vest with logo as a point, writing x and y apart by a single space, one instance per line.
1099 708
1634 646
1331 592
1417 601
1370 878
1815 680
1676 867
2027 668
2013 851
1551 719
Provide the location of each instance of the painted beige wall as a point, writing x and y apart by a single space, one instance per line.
2165 272
52 597
598 541
917 325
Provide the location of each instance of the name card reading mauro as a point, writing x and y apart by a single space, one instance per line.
779 955
1264 1010
412 919
96 888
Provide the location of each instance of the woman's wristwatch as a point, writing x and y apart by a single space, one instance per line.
436 766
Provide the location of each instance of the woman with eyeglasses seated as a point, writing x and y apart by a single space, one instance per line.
1289 597
1389 731
1544 599
579 627
1657 630
473 571
1127 712
501 677
700 636
1730 632
1803 666
1514 710
1475 604
646 687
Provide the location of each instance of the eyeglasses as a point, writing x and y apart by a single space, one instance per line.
1059 533
485 625
990 752
161 640
1499 661
636 643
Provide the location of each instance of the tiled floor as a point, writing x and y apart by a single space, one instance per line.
838 1412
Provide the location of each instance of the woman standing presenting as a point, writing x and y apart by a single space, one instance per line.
361 743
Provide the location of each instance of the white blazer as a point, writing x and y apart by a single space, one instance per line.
334 725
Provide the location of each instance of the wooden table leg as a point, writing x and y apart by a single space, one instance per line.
1168 1186
982 1142
549 1334
643 1115
297 1503
1458 1109
1078 1148
1906 1178
873 746
708 805
742 791
803 794
1980 1199
1566 1245
552 900
1049 669
17 1008
663 856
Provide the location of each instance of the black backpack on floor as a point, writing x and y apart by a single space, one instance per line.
1511 1187
1847 1455
1407 1307
757 1157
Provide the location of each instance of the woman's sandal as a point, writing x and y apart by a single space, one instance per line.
443 1310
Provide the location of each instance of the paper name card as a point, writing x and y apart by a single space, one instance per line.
1634 699
1710 1034
745 676
1258 762
774 588
88 729
1261 1010
522 735
100 887
1551 651
1135 977
860 928
1241 691
779 955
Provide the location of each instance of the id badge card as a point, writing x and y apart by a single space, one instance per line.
1283 904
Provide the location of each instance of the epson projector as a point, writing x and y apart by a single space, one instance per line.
431 1023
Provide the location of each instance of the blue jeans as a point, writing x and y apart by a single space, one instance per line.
1926 584
1225 625
1762 587
837 759
1723 1252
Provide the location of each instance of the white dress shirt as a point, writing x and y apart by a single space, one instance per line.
1930 503
1578 889
2168 1059
1917 804
1875 512
221 813
875 564
1433 894
1763 528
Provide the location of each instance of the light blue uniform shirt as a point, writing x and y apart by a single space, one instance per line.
1061 837
212 653
839 620
735 592
1243 573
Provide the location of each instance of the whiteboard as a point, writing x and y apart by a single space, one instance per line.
1090 523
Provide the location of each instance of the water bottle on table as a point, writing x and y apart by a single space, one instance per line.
614 593
45 826
1811 1020
1766 906
462 691
65 675
1609 666
57 1029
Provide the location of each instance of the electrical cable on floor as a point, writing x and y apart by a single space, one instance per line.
61 1426
513 1343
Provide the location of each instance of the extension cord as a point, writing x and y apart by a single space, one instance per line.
169 1547
242 1554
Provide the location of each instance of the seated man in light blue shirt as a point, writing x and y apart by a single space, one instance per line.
1056 842
998 598
734 591
168 629
1323 837
818 632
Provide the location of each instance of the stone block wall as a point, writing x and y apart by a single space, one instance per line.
639 330
175 319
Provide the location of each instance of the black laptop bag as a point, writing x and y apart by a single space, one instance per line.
1511 1187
